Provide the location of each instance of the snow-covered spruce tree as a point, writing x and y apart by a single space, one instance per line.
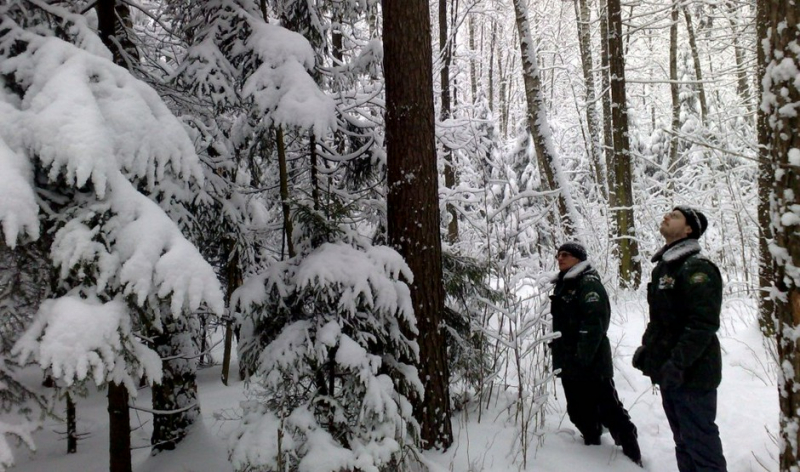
86 137
255 76
332 385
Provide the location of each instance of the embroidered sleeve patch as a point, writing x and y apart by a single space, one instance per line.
698 278
592 297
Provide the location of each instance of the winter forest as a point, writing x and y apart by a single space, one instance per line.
320 235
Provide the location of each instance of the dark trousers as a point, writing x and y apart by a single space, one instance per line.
691 415
592 404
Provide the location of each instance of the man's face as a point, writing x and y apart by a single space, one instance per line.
673 226
566 260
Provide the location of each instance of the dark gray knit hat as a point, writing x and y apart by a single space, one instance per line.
696 220
575 248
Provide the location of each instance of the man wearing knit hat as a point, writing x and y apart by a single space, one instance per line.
680 350
581 314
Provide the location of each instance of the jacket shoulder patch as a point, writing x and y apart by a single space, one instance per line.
698 278
592 297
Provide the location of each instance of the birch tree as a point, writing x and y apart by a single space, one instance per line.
537 123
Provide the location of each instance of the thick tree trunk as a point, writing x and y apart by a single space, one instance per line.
630 269
119 420
446 52
780 97
583 14
177 392
537 120
413 199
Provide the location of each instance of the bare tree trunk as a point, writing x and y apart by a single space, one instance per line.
741 69
413 200
113 23
492 49
782 148
630 268
605 81
766 172
119 420
446 51
583 14
698 71
672 161
473 67
537 120
284 191
72 426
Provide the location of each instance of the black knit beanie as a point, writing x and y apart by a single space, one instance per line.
696 220
575 248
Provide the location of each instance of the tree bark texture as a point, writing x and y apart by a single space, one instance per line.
584 16
741 69
113 21
698 70
413 199
72 426
780 100
119 424
766 170
672 161
630 268
605 84
537 118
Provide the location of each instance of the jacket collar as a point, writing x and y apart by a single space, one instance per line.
573 272
677 250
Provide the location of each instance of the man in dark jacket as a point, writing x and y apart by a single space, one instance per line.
680 351
581 313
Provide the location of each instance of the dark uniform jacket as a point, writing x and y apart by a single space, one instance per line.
581 313
685 298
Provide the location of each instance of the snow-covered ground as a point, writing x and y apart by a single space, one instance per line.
747 417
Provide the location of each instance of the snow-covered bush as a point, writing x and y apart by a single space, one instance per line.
332 385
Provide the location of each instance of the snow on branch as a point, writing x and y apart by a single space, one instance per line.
84 117
78 337
18 208
352 276
281 86
23 432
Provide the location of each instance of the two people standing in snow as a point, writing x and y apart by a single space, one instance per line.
680 350
581 313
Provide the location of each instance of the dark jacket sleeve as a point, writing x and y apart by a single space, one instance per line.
594 320
701 287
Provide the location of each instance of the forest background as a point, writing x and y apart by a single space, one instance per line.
369 202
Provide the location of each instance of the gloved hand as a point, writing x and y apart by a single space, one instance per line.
671 376
638 358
